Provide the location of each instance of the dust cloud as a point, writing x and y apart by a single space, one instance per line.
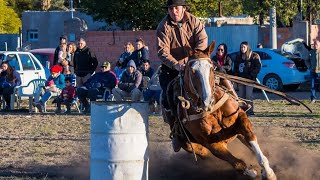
289 160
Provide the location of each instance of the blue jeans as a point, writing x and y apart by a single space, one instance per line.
46 96
313 77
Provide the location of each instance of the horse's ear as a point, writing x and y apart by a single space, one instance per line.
211 47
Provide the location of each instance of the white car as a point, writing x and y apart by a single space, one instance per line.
26 64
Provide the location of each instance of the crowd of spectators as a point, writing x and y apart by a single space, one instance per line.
74 77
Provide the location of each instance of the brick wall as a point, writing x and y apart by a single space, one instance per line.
109 45
283 35
315 32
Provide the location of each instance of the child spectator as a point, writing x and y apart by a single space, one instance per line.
50 86
58 78
62 55
67 96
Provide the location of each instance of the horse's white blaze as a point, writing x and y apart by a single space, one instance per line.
263 161
203 70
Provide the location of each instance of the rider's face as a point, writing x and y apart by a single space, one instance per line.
176 13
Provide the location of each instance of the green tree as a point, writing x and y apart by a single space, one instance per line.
143 14
20 5
127 14
9 20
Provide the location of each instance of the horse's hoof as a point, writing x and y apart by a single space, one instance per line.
250 172
270 175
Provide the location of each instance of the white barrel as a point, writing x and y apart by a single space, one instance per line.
119 141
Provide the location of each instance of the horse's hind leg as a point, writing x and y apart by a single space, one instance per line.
221 151
247 132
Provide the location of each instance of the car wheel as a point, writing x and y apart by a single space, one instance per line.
273 82
291 87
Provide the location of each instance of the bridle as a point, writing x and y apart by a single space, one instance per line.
192 90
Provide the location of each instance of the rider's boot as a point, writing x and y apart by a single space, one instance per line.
169 118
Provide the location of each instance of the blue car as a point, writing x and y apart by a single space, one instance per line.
280 70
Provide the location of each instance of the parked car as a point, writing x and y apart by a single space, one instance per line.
26 64
280 70
45 56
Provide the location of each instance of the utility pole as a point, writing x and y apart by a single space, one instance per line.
310 11
220 8
273 27
301 16
71 8
261 14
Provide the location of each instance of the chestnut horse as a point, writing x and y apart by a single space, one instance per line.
210 116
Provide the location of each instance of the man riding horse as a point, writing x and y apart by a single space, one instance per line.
177 29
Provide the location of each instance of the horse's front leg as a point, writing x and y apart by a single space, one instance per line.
198 149
250 137
221 151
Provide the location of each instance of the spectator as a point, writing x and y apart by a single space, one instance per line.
176 30
62 55
141 52
68 71
96 85
48 91
63 40
9 78
67 96
123 60
149 95
222 59
85 63
313 64
224 64
259 45
71 49
247 65
129 84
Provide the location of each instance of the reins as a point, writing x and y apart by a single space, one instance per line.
186 114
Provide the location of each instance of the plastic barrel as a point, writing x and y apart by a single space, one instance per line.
119 141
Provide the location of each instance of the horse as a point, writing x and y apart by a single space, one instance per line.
207 117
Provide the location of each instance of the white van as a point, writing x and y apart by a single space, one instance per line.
26 64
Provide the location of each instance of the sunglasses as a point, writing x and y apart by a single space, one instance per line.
220 50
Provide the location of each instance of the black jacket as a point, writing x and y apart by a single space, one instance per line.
248 68
85 62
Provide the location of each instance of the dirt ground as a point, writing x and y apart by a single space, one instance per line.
50 146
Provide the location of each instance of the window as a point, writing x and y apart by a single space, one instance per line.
32 35
13 61
38 65
26 62
263 55
42 58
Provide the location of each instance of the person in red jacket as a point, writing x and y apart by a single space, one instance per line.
67 96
